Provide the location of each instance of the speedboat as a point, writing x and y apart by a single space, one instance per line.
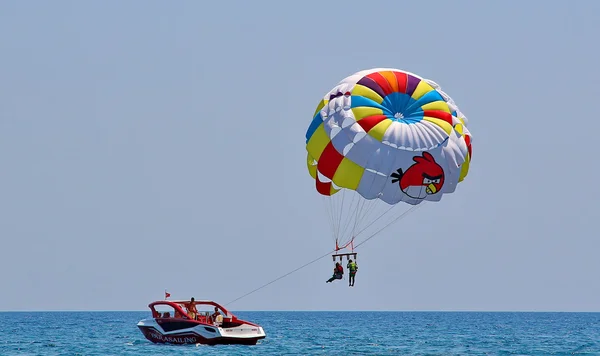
171 323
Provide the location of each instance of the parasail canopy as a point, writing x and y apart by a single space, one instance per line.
385 135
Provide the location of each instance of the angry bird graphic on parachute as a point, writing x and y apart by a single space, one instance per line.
420 179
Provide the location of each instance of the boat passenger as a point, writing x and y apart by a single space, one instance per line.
215 315
191 309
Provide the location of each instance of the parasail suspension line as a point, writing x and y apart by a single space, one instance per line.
278 278
413 208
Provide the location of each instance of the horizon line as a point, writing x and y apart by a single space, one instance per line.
310 311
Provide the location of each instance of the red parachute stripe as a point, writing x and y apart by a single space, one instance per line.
367 123
382 82
329 161
468 142
439 114
324 188
401 78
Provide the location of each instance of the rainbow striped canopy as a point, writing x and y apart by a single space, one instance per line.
388 134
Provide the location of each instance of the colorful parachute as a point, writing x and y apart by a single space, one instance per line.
387 135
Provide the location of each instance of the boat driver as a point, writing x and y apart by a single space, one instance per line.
215 314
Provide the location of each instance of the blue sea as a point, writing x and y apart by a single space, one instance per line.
316 333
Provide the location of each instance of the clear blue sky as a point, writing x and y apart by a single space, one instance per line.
151 145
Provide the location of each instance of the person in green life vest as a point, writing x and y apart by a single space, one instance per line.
352 268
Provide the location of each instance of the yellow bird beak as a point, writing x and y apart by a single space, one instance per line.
431 189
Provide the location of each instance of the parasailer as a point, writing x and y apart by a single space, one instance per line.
338 273
352 268
380 137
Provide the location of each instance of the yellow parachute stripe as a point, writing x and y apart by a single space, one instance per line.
332 190
361 90
321 105
360 112
459 128
312 166
317 143
421 89
348 174
437 105
378 130
464 169
441 123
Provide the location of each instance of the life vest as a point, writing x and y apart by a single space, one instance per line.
340 269
352 267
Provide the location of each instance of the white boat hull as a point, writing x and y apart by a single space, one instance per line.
190 332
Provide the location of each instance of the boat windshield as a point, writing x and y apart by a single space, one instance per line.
205 313
166 311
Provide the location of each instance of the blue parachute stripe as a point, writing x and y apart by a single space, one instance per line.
358 101
426 99
314 125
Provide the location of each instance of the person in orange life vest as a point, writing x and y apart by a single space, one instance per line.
338 272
